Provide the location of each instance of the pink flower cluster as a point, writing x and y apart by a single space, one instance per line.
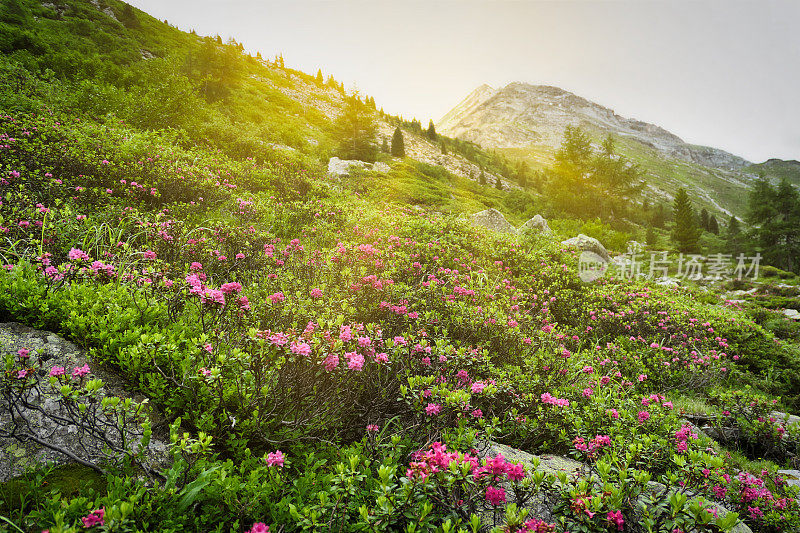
593 446
95 518
552 400
276 458
682 437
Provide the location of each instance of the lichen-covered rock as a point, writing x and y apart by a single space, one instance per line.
48 350
537 224
588 244
494 220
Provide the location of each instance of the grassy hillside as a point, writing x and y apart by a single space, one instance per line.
328 354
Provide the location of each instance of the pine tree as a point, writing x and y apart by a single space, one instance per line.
431 133
398 145
129 18
319 79
651 237
704 219
482 179
498 184
443 146
685 232
713 225
385 146
659 216
356 130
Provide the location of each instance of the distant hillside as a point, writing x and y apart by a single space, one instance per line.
528 121
778 169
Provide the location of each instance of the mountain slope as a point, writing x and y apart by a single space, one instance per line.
528 121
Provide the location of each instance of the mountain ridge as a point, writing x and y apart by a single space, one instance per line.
521 114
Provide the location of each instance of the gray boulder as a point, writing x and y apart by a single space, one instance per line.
588 244
494 220
793 314
538 224
340 168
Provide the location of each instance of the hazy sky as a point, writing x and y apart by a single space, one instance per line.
722 73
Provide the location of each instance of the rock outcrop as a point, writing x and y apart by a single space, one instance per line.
541 505
494 220
537 224
48 350
588 244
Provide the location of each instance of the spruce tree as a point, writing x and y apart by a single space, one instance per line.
385 146
685 233
431 133
129 18
498 184
356 129
398 145
443 146
713 225
482 178
651 237
704 219
319 79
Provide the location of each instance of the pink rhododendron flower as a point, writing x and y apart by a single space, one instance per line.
79 372
95 518
433 409
76 254
275 459
331 362
316 293
495 495
258 527
355 361
57 371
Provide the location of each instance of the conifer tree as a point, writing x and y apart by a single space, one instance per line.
356 129
398 145
651 237
498 184
482 178
443 146
713 225
685 233
431 133
385 146
319 79
129 18
704 219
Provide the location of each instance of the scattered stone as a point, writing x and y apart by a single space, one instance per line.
748 292
588 244
340 168
380 166
538 224
493 220
793 314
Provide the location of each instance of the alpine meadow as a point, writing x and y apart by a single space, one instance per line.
237 296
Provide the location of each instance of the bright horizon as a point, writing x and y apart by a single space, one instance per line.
721 74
